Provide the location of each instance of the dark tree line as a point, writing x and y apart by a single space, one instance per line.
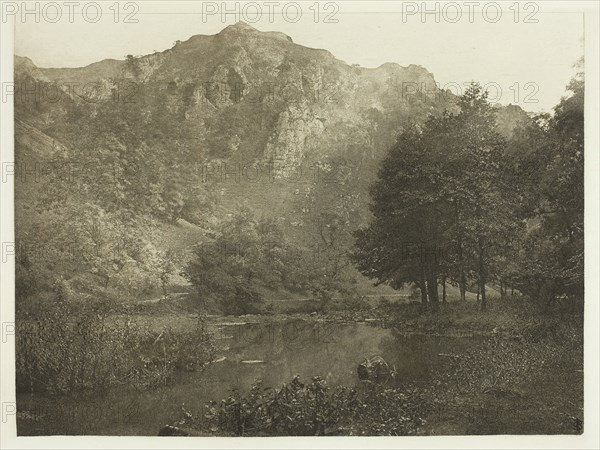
455 201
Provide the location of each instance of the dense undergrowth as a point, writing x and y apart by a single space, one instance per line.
312 409
66 347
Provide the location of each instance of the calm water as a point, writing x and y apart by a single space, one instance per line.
331 351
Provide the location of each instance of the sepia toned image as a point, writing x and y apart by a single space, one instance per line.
275 219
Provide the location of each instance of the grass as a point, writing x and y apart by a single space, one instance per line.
512 386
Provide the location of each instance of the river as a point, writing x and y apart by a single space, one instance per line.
273 352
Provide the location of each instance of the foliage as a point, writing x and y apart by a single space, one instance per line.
503 384
314 409
437 193
250 256
457 201
247 255
62 346
551 258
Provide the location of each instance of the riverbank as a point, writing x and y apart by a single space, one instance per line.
523 374
491 385
459 371
509 317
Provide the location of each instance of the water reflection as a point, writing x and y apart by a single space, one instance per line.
327 349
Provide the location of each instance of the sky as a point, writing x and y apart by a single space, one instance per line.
524 55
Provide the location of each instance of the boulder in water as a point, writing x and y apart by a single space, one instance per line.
375 370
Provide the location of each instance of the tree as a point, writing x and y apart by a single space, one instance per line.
551 260
439 190
247 257
133 66
400 246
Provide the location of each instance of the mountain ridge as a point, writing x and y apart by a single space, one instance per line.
111 66
239 120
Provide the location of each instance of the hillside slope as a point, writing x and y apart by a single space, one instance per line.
239 120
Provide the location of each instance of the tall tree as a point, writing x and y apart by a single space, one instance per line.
439 189
400 246
551 262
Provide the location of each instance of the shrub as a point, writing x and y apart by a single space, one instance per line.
157 358
67 347
313 409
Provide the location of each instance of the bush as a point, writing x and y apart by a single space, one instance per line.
67 347
157 358
313 409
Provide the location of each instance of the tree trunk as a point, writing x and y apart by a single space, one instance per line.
422 285
483 299
444 289
432 288
462 278
463 286
482 276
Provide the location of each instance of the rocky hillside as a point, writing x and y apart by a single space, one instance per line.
240 119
